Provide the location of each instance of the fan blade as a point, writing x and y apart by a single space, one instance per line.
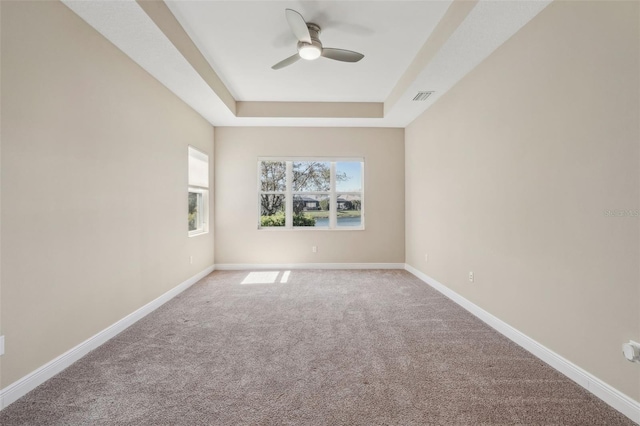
290 60
341 55
298 25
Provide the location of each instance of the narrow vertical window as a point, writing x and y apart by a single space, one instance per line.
311 186
273 184
198 198
349 194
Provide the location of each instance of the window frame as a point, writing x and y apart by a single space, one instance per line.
289 193
203 213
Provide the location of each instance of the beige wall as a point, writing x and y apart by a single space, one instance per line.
94 185
510 173
239 241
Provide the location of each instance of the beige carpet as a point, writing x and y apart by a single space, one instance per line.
322 348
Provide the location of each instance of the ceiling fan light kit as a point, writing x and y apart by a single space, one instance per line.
309 44
309 51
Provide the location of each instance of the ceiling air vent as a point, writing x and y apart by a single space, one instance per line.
422 96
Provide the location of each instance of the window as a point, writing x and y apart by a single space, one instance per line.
304 193
198 200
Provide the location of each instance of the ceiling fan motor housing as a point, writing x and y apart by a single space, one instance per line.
313 50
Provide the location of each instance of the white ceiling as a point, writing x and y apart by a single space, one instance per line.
241 40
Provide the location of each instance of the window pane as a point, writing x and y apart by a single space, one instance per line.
272 210
305 185
311 176
349 176
273 175
198 168
349 210
195 206
311 210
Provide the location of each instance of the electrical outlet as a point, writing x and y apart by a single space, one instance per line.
470 276
190 260
426 258
314 249
1 345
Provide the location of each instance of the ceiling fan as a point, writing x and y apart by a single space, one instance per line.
309 45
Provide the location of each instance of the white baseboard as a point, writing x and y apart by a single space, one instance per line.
616 399
269 266
29 382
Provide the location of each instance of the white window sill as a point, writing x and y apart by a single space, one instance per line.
310 228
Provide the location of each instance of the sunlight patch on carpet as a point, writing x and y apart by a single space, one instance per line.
263 277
